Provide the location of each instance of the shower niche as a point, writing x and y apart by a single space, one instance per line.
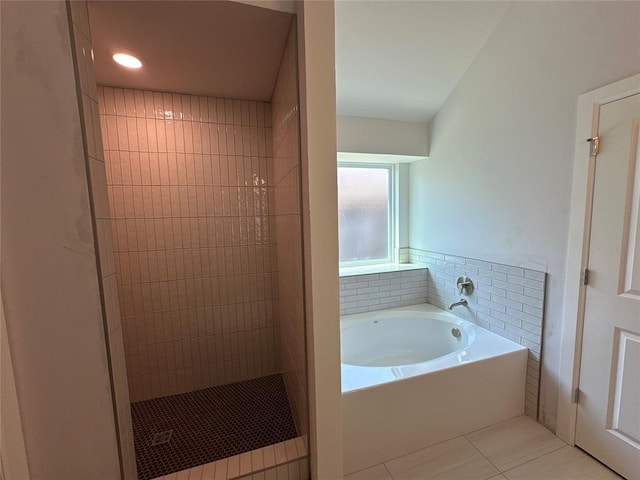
195 182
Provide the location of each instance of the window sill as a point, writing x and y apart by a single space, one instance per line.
382 268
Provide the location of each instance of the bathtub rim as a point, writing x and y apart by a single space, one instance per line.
500 347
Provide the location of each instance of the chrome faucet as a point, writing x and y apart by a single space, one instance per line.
462 301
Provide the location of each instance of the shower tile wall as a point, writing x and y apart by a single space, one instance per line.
189 183
290 305
507 300
102 224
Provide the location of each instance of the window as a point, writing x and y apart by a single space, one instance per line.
366 213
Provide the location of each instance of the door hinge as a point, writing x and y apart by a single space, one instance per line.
584 277
594 146
576 395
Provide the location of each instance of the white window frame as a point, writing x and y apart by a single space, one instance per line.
393 212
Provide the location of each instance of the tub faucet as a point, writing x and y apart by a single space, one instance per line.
462 301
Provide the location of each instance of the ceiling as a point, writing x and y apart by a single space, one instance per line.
400 60
216 48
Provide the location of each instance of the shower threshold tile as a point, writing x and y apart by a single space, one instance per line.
181 431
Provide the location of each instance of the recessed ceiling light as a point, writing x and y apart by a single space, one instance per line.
127 60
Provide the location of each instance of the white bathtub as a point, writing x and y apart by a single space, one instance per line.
408 382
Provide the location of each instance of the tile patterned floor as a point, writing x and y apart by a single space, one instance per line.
518 449
210 424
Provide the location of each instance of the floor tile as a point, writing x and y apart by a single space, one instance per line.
207 425
514 442
568 463
379 472
452 460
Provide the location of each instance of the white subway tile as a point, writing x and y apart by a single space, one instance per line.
508 286
534 275
491 289
516 322
533 302
537 312
516 271
368 302
522 315
492 274
529 292
523 333
492 305
507 302
504 333
525 282
534 346
367 290
478 263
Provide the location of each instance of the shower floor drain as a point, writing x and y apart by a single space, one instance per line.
210 424
162 437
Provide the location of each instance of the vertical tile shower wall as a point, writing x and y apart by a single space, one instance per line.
189 182
88 96
286 161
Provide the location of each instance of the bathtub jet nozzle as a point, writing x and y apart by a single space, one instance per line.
462 301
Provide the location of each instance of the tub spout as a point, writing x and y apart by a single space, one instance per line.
462 301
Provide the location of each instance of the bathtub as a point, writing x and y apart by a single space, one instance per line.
416 376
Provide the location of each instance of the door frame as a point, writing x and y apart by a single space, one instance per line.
578 248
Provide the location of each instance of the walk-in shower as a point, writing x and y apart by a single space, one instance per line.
195 187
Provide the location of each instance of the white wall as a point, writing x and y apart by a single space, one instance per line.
372 135
50 286
497 184
13 457
316 57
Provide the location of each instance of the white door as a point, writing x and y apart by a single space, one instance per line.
609 406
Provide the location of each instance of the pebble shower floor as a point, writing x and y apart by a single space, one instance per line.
207 425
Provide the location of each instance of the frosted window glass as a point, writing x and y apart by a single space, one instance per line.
364 213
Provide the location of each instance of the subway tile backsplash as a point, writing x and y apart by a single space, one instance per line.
381 291
507 300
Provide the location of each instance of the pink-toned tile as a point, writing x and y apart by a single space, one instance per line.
129 102
121 108
269 456
195 473
221 469
149 109
245 463
233 466
183 475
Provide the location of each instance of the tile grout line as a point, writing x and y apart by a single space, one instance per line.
523 463
494 424
537 458
483 455
410 453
